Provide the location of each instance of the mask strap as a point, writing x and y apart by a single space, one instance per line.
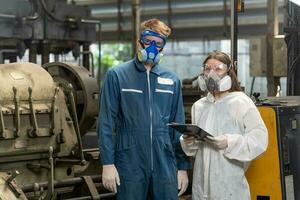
140 41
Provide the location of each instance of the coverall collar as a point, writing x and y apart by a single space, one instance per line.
140 67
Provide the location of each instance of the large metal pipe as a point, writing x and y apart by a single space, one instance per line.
33 51
136 20
272 30
62 183
86 56
234 32
45 51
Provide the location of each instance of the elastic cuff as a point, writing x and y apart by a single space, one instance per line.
231 141
184 165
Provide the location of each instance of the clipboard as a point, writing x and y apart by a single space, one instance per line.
190 130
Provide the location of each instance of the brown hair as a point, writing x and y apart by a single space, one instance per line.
224 58
156 26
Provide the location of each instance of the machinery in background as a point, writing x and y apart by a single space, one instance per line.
47 27
48 145
292 39
276 173
44 114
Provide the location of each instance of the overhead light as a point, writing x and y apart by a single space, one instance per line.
297 2
279 36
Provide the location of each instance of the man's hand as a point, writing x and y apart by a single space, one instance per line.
183 181
110 177
220 141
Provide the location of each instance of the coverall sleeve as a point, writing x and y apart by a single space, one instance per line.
109 106
177 115
253 143
191 148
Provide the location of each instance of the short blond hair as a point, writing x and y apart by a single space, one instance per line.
156 26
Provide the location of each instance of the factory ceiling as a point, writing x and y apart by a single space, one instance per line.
189 19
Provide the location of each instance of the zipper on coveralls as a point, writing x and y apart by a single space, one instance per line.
150 107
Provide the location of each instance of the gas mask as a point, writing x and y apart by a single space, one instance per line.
150 54
213 83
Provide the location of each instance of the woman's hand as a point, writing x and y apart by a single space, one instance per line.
220 142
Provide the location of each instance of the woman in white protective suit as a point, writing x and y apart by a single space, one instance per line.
239 134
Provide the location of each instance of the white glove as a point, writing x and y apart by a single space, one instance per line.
220 141
183 181
110 177
188 140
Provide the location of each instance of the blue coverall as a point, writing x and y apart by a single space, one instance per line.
135 108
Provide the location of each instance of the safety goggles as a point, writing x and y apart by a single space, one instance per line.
217 68
147 41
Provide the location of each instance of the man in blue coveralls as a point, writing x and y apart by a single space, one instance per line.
141 156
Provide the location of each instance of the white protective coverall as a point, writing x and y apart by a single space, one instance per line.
220 174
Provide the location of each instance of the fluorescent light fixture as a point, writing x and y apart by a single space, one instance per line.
279 36
296 2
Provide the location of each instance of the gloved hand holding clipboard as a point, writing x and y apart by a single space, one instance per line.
191 130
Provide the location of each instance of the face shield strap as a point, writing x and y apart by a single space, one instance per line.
152 33
141 43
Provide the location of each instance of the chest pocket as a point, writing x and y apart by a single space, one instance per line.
164 95
131 101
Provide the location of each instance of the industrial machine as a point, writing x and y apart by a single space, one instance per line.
45 27
44 113
275 174
48 144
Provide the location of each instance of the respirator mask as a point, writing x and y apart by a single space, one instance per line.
151 54
213 82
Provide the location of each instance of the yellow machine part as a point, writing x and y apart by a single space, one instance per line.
263 174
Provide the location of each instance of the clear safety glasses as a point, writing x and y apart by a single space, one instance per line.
217 68
160 40
159 44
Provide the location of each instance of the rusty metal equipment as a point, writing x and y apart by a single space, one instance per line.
43 117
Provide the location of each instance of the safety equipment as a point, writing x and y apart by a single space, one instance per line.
214 83
221 67
144 40
183 181
140 144
220 141
152 54
110 178
219 174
